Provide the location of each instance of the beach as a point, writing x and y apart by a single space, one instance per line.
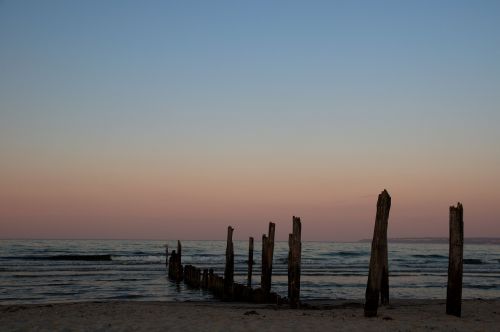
400 315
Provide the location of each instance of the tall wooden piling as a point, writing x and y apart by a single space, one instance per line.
229 269
294 258
267 259
378 275
175 270
166 256
250 261
455 262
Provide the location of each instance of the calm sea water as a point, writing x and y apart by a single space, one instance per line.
137 270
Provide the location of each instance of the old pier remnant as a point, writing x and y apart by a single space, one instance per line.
378 275
229 268
294 257
175 270
455 262
192 276
250 261
166 256
267 260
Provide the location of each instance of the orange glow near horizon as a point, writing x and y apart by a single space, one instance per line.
198 203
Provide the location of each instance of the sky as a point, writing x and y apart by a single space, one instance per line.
174 119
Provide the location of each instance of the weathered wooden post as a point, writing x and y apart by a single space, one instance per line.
267 260
250 261
294 258
229 269
175 270
198 278
166 256
378 260
179 250
170 266
455 262
187 274
211 279
204 279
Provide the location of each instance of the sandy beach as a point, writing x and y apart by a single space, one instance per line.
401 315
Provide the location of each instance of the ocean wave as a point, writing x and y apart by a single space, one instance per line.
137 270
429 256
344 254
482 286
62 258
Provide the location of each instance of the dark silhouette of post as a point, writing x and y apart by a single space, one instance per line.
455 262
229 269
179 251
267 260
294 257
204 279
175 270
166 256
250 261
378 275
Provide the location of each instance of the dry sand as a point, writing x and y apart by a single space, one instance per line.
477 315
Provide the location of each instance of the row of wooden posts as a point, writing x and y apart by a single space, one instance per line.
377 289
224 287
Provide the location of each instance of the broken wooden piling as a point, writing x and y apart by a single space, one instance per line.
455 262
250 261
174 269
166 256
204 279
210 282
294 258
229 269
378 275
192 276
267 260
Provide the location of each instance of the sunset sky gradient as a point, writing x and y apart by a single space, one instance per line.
174 119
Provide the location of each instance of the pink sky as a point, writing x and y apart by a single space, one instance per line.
172 120
117 199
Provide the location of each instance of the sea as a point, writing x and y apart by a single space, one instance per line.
136 271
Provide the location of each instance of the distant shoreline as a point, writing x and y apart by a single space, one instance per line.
470 240
416 240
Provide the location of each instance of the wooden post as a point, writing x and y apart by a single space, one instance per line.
211 279
378 260
294 258
198 278
229 269
250 261
166 256
175 268
187 274
267 260
170 266
179 249
455 262
263 261
204 279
